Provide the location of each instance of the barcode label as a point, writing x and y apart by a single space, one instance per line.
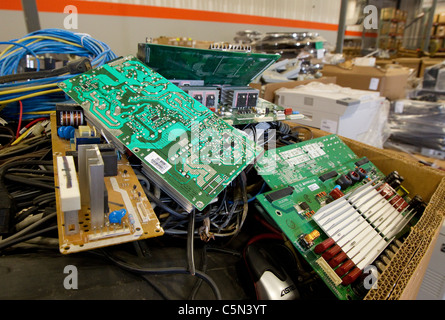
313 187
157 162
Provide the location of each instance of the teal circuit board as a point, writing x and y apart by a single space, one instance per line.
302 177
183 146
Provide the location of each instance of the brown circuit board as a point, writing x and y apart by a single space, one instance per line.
124 192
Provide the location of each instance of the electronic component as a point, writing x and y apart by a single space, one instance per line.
109 157
116 216
362 162
69 193
91 181
340 226
344 181
336 193
80 229
214 67
85 135
322 198
208 96
239 98
187 83
320 157
363 224
66 132
307 240
184 147
328 176
227 71
279 194
69 114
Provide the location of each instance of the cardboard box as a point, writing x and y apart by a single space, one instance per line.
441 18
382 63
390 82
400 28
388 13
428 62
385 27
440 31
403 277
410 63
267 92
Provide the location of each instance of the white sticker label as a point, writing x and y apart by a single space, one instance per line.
374 84
329 125
398 108
313 187
157 162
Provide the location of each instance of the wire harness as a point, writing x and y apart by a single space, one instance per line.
38 90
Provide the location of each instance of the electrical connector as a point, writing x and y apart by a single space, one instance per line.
79 66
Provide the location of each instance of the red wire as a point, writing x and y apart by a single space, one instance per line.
20 119
34 122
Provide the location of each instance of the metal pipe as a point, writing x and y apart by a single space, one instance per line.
342 26
31 14
426 44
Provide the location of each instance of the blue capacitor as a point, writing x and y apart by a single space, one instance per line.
66 132
117 215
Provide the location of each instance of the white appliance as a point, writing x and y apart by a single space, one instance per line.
344 111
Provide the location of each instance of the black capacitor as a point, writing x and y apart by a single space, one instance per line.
416 202
395 183
392 176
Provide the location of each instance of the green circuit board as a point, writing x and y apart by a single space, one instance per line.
207 73
183 146
286 165
215 67
300 189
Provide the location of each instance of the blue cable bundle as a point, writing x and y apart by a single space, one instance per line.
41 95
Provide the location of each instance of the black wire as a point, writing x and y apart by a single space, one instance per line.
10 243
26 214
25 194
26 149
206 249
32 75
7 166
162 205
155 287
198 283
190 243
40 172
30 182
166 271
33 176
9 130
